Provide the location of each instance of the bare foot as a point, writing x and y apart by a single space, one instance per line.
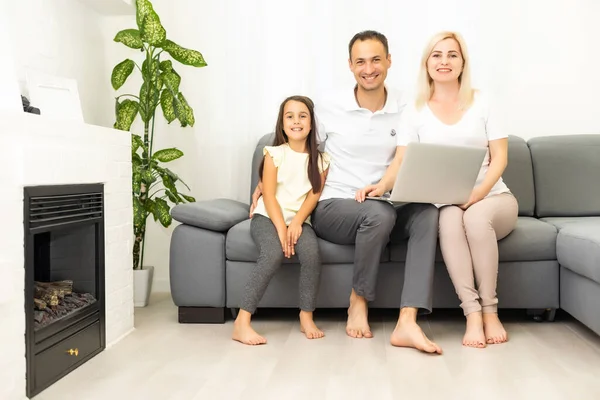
243 332
474 336
308 327
494 331
409 334
358 323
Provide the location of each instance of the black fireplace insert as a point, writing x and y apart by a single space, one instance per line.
64 280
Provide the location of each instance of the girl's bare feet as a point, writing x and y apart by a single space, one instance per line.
243 332
308 327
474 335
494 331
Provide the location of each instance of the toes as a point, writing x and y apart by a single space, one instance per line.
368 334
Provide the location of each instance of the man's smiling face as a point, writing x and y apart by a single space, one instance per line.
369 63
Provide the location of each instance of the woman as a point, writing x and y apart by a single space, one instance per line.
448 110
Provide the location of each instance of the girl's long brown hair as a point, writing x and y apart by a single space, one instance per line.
311 141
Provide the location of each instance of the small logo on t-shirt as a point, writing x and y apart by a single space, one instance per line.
393 132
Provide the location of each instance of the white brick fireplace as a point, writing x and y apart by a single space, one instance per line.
38 151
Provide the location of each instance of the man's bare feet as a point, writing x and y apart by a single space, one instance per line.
474 335
243 332
494 331
409 334
308 327
358 322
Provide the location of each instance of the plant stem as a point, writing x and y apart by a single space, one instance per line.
150 196
132 95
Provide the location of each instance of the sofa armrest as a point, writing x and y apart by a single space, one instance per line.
216 215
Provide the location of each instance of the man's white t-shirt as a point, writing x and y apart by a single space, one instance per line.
361 144
476 128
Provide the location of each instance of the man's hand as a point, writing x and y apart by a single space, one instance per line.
476 195
370 191
255 196
293 234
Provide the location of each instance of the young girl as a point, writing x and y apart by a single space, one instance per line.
293 173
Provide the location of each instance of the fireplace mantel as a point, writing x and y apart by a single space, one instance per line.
43 151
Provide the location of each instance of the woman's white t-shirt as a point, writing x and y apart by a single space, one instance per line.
293 184
476 128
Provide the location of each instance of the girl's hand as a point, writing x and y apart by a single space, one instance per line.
282 233
476 195
293 233
371 191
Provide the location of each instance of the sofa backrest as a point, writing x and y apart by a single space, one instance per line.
518 175
566 170
266 140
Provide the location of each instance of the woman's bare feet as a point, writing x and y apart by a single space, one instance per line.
494 331
474 335
308 327
243 332
409 334
358 322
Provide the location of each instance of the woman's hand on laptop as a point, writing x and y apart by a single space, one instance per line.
369 191
477 194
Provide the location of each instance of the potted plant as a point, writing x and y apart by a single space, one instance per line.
154 186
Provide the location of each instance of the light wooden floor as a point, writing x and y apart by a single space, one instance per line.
166 360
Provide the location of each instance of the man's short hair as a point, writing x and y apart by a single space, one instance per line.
368 35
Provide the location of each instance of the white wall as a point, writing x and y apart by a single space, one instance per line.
63 38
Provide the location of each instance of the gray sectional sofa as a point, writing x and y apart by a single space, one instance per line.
551 260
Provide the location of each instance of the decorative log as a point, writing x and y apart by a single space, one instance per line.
39 304
62 287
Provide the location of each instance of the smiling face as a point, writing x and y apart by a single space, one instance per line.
296 120
445 63
369 63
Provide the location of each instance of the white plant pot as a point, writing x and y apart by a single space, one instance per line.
142 286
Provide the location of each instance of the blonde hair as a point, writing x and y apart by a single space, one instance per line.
425 83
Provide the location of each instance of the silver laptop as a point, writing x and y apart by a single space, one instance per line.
437 174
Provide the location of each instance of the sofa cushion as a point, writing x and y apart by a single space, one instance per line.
239 246
578 249
566 171
531 240
561 222
518 175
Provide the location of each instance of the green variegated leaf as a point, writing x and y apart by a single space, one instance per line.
136 179
121 72
166 66
162 212
130 38
167 155
166 103
151 74
188 198
149 100
149 207
183 111
126 114
152 31
183 55
172 81
139 214
143 7
148 178
172 197
136 143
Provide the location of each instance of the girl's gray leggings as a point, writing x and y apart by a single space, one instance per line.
271 257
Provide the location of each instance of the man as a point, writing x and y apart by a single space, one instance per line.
359 130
